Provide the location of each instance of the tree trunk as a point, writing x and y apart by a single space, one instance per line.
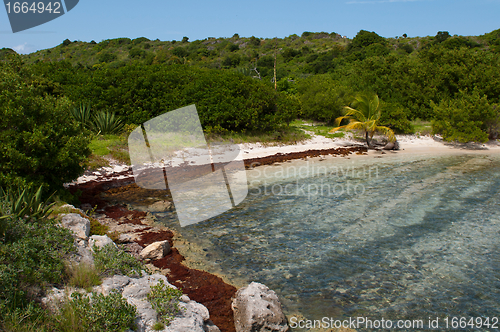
367 136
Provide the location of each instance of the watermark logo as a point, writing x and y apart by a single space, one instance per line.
171 151
312 181
25 15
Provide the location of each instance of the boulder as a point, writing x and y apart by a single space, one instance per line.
391 146
100 241
76 223
193 317
160 206
257 308
156 250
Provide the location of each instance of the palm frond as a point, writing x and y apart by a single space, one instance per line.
387 132
364 115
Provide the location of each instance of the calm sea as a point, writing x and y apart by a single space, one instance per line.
402 237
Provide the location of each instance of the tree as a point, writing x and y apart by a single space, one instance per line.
39 142
441 36
366 118
322 98
366 38
467 117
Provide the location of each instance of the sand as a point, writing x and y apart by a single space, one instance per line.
409 144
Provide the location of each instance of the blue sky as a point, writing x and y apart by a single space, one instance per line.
169 20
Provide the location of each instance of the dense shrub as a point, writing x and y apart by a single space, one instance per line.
39 142
31 255
110 260
139 92
322 98
96 312
464 118
396 117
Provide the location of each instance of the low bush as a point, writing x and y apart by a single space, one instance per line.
165 300
31 257
83 275
95 313
110 260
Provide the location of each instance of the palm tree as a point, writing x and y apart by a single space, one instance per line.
365 116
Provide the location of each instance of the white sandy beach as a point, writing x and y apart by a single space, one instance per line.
409 144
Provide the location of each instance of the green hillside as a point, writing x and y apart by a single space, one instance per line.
310 53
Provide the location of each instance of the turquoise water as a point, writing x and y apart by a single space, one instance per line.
400 237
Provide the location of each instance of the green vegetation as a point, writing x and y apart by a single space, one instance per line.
96 312
83 275
467 117
40 144
110 260
24 202
32 256
71 107
318 129
365 117
165 301
33 253
422 127
105 147
229 79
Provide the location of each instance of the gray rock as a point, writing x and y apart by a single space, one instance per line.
100 241
156 250
135 293
391 146
83 253
76 223
257 308
116 282
193 317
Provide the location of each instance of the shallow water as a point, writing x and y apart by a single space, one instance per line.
402 237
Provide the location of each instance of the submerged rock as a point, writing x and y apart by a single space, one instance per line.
161 206
257 308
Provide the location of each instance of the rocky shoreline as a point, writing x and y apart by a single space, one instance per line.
112 193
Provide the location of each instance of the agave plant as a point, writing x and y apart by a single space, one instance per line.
107 123
82 115
24 203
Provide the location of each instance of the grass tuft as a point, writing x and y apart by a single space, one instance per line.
83 275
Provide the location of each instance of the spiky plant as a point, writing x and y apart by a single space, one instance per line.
82 115
107 123
24 203
364 115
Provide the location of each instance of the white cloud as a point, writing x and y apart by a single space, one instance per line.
24 48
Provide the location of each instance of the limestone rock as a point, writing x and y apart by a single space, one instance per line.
100 241
156 250
257 308
193 317
116 282
160 206
76 223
